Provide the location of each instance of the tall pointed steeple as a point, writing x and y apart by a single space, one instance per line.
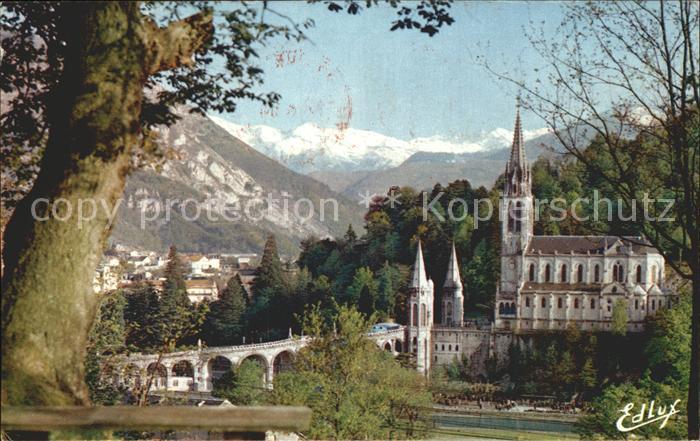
452 279
517 169
517 153
419 278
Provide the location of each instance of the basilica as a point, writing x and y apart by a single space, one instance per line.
546 283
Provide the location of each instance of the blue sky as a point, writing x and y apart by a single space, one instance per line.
402 83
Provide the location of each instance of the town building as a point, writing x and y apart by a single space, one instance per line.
546 283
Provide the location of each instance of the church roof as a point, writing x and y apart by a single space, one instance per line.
589 245
452 279
419 278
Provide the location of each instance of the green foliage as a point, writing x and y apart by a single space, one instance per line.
177 319
363 291
355 390
372 272
270 273
389 280
243 385
666 368
224 323
140 316
106 339
619 317
458 369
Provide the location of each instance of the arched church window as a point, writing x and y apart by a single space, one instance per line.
414 322
547 273
527 302
596 273
512 308
423 315
500 309
639 274
576 303
532 272
559 302
579 274
544 302
618 273
636 304
563 276
592 303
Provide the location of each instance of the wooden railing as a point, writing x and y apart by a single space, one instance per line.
217 419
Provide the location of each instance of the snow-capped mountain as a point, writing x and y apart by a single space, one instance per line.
310 148
218 194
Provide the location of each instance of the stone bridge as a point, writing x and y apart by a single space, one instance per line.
196 370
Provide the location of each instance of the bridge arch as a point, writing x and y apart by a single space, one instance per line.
218 366
182 376
387 346
159 375
263 363
131 376
282 362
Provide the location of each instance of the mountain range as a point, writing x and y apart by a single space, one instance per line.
228 186
239 194
354 162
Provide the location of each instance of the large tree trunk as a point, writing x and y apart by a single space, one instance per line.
48 303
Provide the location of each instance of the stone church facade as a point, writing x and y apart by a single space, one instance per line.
547 283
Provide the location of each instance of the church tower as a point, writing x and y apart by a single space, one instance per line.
420 307
452 294
517 218
516 208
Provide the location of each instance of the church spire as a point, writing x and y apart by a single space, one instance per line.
419 278
452 279
517 153
517 170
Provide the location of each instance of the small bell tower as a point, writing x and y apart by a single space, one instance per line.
452 294
420 309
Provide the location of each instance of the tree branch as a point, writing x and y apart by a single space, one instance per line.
175 45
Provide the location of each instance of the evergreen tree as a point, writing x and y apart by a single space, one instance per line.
388 277
363 288
350 236
140 316
270 273
177 319
365 303
224 323
322 297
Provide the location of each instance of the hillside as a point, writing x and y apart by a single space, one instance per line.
220 176
424 169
